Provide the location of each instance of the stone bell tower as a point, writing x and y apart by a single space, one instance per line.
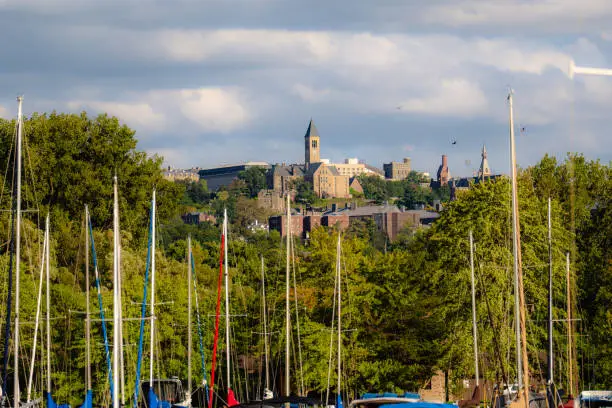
312 145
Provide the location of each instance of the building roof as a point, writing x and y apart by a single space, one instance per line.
365 210
312 130
314 167
374 169
288 171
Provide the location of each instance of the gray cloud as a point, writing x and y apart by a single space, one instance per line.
210 82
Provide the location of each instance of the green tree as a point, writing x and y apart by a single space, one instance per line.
255 179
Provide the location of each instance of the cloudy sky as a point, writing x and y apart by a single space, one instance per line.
216 82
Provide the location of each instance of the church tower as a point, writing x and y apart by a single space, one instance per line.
312 146
485 170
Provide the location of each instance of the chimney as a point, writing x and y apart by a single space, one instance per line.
444 160
334 207
406 160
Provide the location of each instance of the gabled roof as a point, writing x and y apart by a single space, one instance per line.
312 130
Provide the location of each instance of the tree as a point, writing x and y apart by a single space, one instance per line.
255 179
374 188
304 192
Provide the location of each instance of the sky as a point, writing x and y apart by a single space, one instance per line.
211 82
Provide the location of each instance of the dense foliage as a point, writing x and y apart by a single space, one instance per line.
406 305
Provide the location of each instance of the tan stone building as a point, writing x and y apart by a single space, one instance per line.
327 182
397 170
353 168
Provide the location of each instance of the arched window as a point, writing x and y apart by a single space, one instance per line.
314 144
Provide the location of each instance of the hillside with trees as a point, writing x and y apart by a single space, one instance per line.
406 311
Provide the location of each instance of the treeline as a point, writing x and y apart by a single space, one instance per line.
412 192
406 306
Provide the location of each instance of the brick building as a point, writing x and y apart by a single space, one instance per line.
397 170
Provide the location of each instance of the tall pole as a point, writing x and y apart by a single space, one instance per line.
515 248
48 288
87 317
16 396
521 323
120 290
189 340
227 310
116 295
265 323
287 316
569 326
474 328
339 277
550 301
152 342
37 321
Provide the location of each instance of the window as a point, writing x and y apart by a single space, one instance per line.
314 144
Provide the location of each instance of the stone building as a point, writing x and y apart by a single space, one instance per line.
324 177
484 171
353 167
327 182
182 174
397 170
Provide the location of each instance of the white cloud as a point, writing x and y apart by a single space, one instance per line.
137 114
209 109
214 109
543 14
310 94
452 97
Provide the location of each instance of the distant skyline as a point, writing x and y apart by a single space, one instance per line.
211 82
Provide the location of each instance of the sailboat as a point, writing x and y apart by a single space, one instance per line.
157 392
223 272
15 255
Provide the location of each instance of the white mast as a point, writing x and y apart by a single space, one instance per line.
227 311
87 317
287 316
48 289
189 340
116 296
515 248
475 330
16 396
339 321
265 323
40 285
152 345
121 356
550 303
519 294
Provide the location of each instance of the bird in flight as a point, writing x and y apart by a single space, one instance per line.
454 141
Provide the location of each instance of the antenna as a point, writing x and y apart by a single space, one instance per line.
573 70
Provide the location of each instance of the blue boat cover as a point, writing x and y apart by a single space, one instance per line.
411 395
419 404
389 394
369 395
154 402
52 404
339 403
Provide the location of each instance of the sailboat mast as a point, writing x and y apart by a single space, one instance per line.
48 289
339 277
37 321
227 310
16 396
550 302
515 249
116 294
87 316
521 322
287 316
569 326
189 340
265 323
152 345
474 328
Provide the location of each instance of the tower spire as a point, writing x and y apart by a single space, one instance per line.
484 170
311 145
